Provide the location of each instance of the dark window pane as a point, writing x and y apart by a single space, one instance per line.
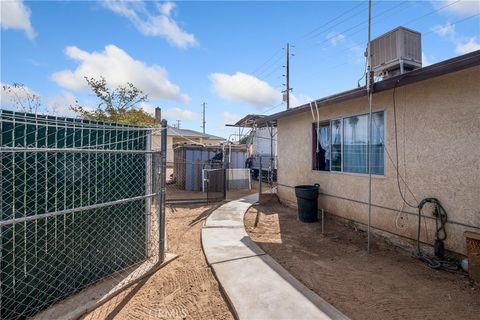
321 147
336 150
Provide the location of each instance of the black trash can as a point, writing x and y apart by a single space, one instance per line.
307 196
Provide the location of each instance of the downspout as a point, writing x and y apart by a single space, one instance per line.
318 127
311 109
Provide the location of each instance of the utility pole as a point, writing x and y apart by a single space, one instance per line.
287 78
369 92
178 124
203 116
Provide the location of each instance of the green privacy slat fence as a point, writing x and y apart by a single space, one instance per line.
64 248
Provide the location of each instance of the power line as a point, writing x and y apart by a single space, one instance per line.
335 57
268 60
431 12
266 66
454 23
331 20
275 66
313 30
273 107
360 24
330 28
385 11
269 74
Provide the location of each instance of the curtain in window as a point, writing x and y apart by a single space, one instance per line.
378 143
336 151
355 144
325 145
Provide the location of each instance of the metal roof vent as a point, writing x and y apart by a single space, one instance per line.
396 52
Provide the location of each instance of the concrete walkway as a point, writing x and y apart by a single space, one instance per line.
256 286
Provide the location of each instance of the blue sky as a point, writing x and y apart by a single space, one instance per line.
225 53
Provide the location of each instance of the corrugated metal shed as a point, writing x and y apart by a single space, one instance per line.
190 160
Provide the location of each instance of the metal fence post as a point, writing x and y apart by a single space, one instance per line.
225 182
148 190
260 173
162 197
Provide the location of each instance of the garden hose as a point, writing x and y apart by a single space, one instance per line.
441 218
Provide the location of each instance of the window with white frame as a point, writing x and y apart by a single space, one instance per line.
342 144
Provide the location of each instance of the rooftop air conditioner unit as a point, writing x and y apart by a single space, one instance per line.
396 52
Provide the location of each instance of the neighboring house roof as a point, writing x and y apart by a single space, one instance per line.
248 120
174 132
465 61
252 120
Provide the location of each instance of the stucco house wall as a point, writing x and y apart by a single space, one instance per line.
438 124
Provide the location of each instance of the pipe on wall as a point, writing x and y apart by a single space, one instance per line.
463 224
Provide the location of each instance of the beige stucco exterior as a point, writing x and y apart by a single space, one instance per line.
438 123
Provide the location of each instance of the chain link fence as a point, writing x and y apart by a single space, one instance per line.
80 202
188 181
206 173
264 168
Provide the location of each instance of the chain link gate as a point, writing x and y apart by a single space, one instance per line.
80 201
188 175
216 184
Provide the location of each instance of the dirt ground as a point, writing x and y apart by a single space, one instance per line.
386 284
184 289
174 194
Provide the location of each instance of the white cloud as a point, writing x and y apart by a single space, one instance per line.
173 114
426 61
166 8
15 15
462 44
230 118
18 97
147 107
60 104
335 38
243 87
118 68
296 101
467 46
161 25
459 8
447 30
